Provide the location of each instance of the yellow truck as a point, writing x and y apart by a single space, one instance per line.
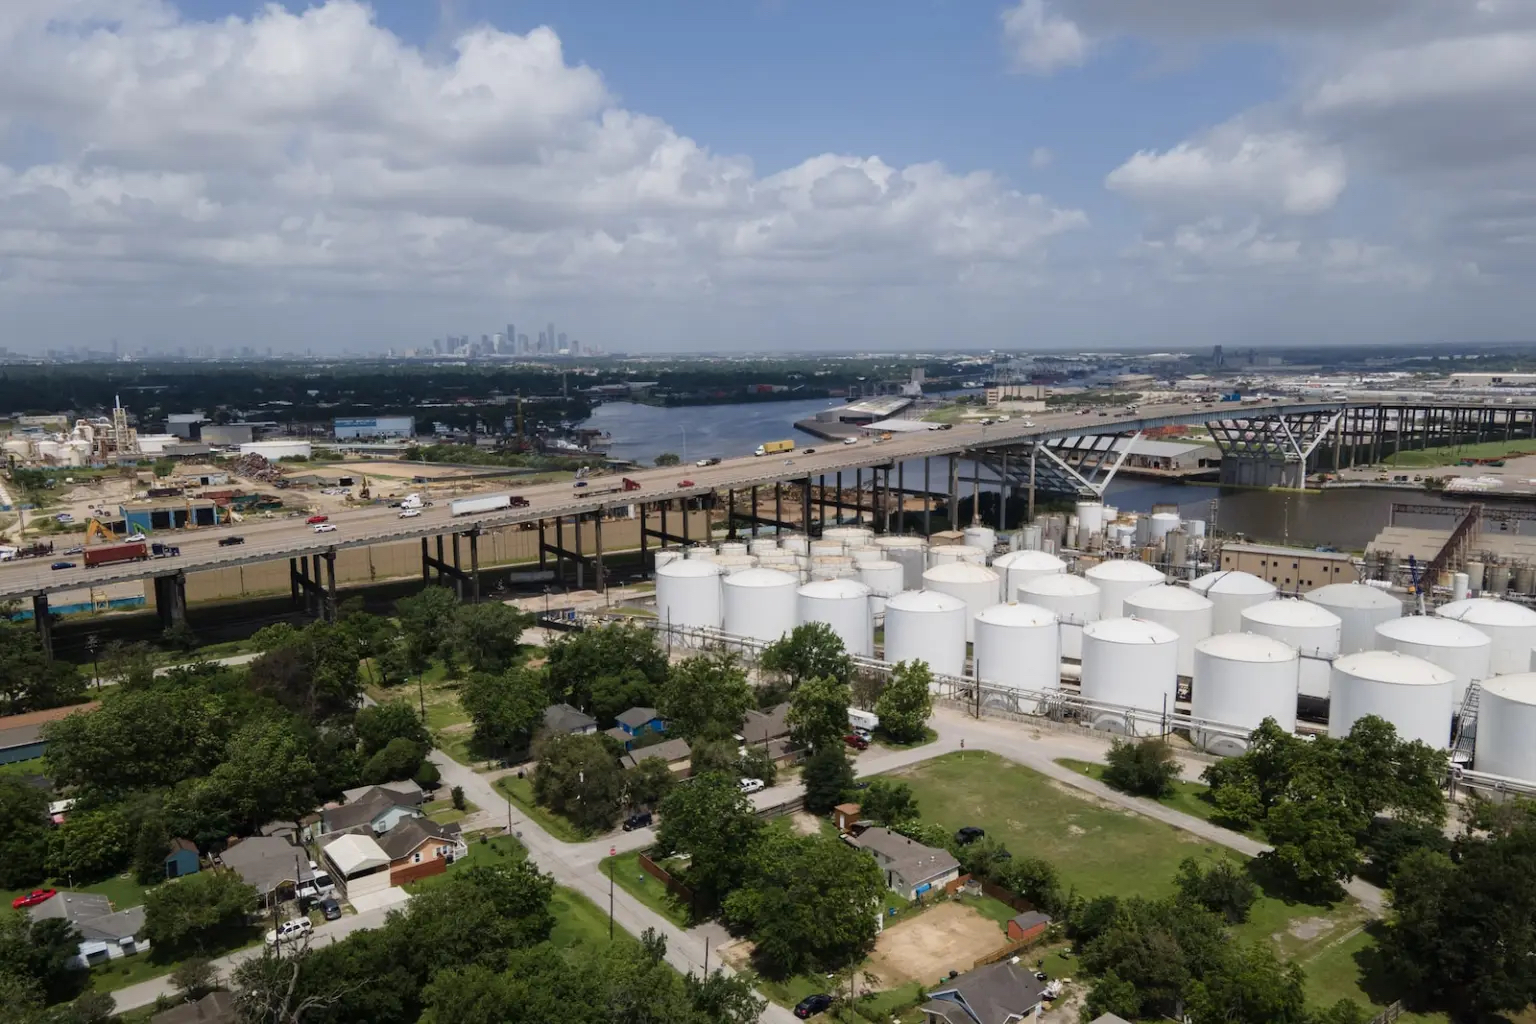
774 448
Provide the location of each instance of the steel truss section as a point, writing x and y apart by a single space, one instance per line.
1289 438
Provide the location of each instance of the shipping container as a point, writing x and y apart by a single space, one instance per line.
469 506
774 447
110 553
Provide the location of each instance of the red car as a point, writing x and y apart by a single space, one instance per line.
33 898
685 483
856 741
312 520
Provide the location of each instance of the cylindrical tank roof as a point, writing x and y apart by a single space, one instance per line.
1353 595
689 568
1488 611
1167 596
1519 688
1029 559
924 601
1123 569
1432 631
1060 585
759 578
1506 727
1231 581
1130 631
1017 615
1246 647
1290 612
834 590
960 572
1392 667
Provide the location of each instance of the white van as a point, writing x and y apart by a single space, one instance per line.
291 930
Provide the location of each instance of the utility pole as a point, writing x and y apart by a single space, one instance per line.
612 852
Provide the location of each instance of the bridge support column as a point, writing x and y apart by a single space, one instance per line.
1002 497
560 547
330 586
426 568
730 513
645 560
42 620
458 573
927 499
170 599
901 499
778 509
581 563
474 565
683 506
1030 515
954 493
601 583
805 508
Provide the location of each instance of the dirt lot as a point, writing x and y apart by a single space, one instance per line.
950 937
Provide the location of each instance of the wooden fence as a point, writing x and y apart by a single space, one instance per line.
1390 1014
656 871
1013 899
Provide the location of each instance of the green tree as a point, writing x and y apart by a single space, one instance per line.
1249 984
828 777
396 719
428 776
668 459
1148 768
812 650
711 820
907 702
1313 847
987 859
179 636
426 622
1244 788
706 694
399 760
818 712
189 913
131 665
1387 774
888 801
29 679
24 833
648 782
313 674
1221 888
758 763
720 755
1035 879
194 978
506 709
607 670
40 953
89 844
1148 958
266 774
487 637
577 777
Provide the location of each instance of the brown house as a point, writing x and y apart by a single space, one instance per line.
844 815
1029 925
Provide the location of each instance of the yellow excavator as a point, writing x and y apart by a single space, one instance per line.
94 529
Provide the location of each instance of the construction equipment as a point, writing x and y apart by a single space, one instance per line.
363 492
95 529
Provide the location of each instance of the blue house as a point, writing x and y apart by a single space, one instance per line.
182 860
641 720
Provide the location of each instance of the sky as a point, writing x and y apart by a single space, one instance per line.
767 175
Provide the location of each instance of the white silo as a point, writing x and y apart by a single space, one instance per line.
831 567
1129 662
1074 600
1409 692
1181 610
1162 524
1360 610
1117 580
924 625
1310 628
851 536
949 554
1462 650
976 585
884 580
866 554
1018 566
1018 646
1241 679
761 546
911 552
688 595
732 547
1232 590
796 543
735 563
827 548
668 555
700 553
761 603
983 537
843 605
1090 520
1511 627
1506 727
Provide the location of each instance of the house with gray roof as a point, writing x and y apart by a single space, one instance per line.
560 718
1000 993
910 867
761 727
378 808
675 752
105 934
637 720
213 1008
274 867
406 792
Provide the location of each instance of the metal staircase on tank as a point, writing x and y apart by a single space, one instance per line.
1462 744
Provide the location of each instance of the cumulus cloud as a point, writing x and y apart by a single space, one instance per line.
1281 171
1040 41
313 153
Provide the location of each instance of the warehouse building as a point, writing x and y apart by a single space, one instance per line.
374 427
173 514
1293 569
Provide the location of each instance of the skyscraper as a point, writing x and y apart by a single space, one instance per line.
543 343
561 344
553 346
511 337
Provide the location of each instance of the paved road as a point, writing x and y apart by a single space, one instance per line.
286 537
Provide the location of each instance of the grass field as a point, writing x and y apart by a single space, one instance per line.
1191 798
520 792
627 875
1431 457
122 890
444 813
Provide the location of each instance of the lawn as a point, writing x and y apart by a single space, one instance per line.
628 875
1191 798
580 922
444 813
122 890
494 850
884 740
520 792
130 970
1448 456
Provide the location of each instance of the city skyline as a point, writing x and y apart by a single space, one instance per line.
335 176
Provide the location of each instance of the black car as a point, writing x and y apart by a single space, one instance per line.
969 835
330 908
640 819
229 542
63 565
810 1006
809 451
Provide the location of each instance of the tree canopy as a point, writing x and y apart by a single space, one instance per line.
577 777
607 670
506 708
813 650
907 702
706 694
818 712
1147 768
711 820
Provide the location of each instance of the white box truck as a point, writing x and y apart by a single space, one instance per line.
470 506
864 722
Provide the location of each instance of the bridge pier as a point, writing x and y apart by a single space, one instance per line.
954 493
42 621
428 563
171 599
304 579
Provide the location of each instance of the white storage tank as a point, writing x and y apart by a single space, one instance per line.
761 546
700 553
1129 662
1181 610
1506 727
1510 626
911 552
761 603
1360 610
976 585
1018 646
1117 580
732 547
983 537
666 556
735 563
1409 692
826 548
689 595
1460 649
1312 629
1090 520
866 554
851 536
1241 679
884 580
1018 566
796 543
924 625
831 567
1232 590
1163 523
1074 600
843 605
949 554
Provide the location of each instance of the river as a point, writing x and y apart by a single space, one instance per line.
1346 519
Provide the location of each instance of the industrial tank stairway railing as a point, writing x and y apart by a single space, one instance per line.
1464 741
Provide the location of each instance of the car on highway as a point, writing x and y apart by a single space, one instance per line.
789 462
410 513
62 565
312 520
708 462
751 785
810 1006
326 528
33 898
229 542
685 483
579 483
850 440
808 451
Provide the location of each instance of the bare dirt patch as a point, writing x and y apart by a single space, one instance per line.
805 823
950 937
1309 928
